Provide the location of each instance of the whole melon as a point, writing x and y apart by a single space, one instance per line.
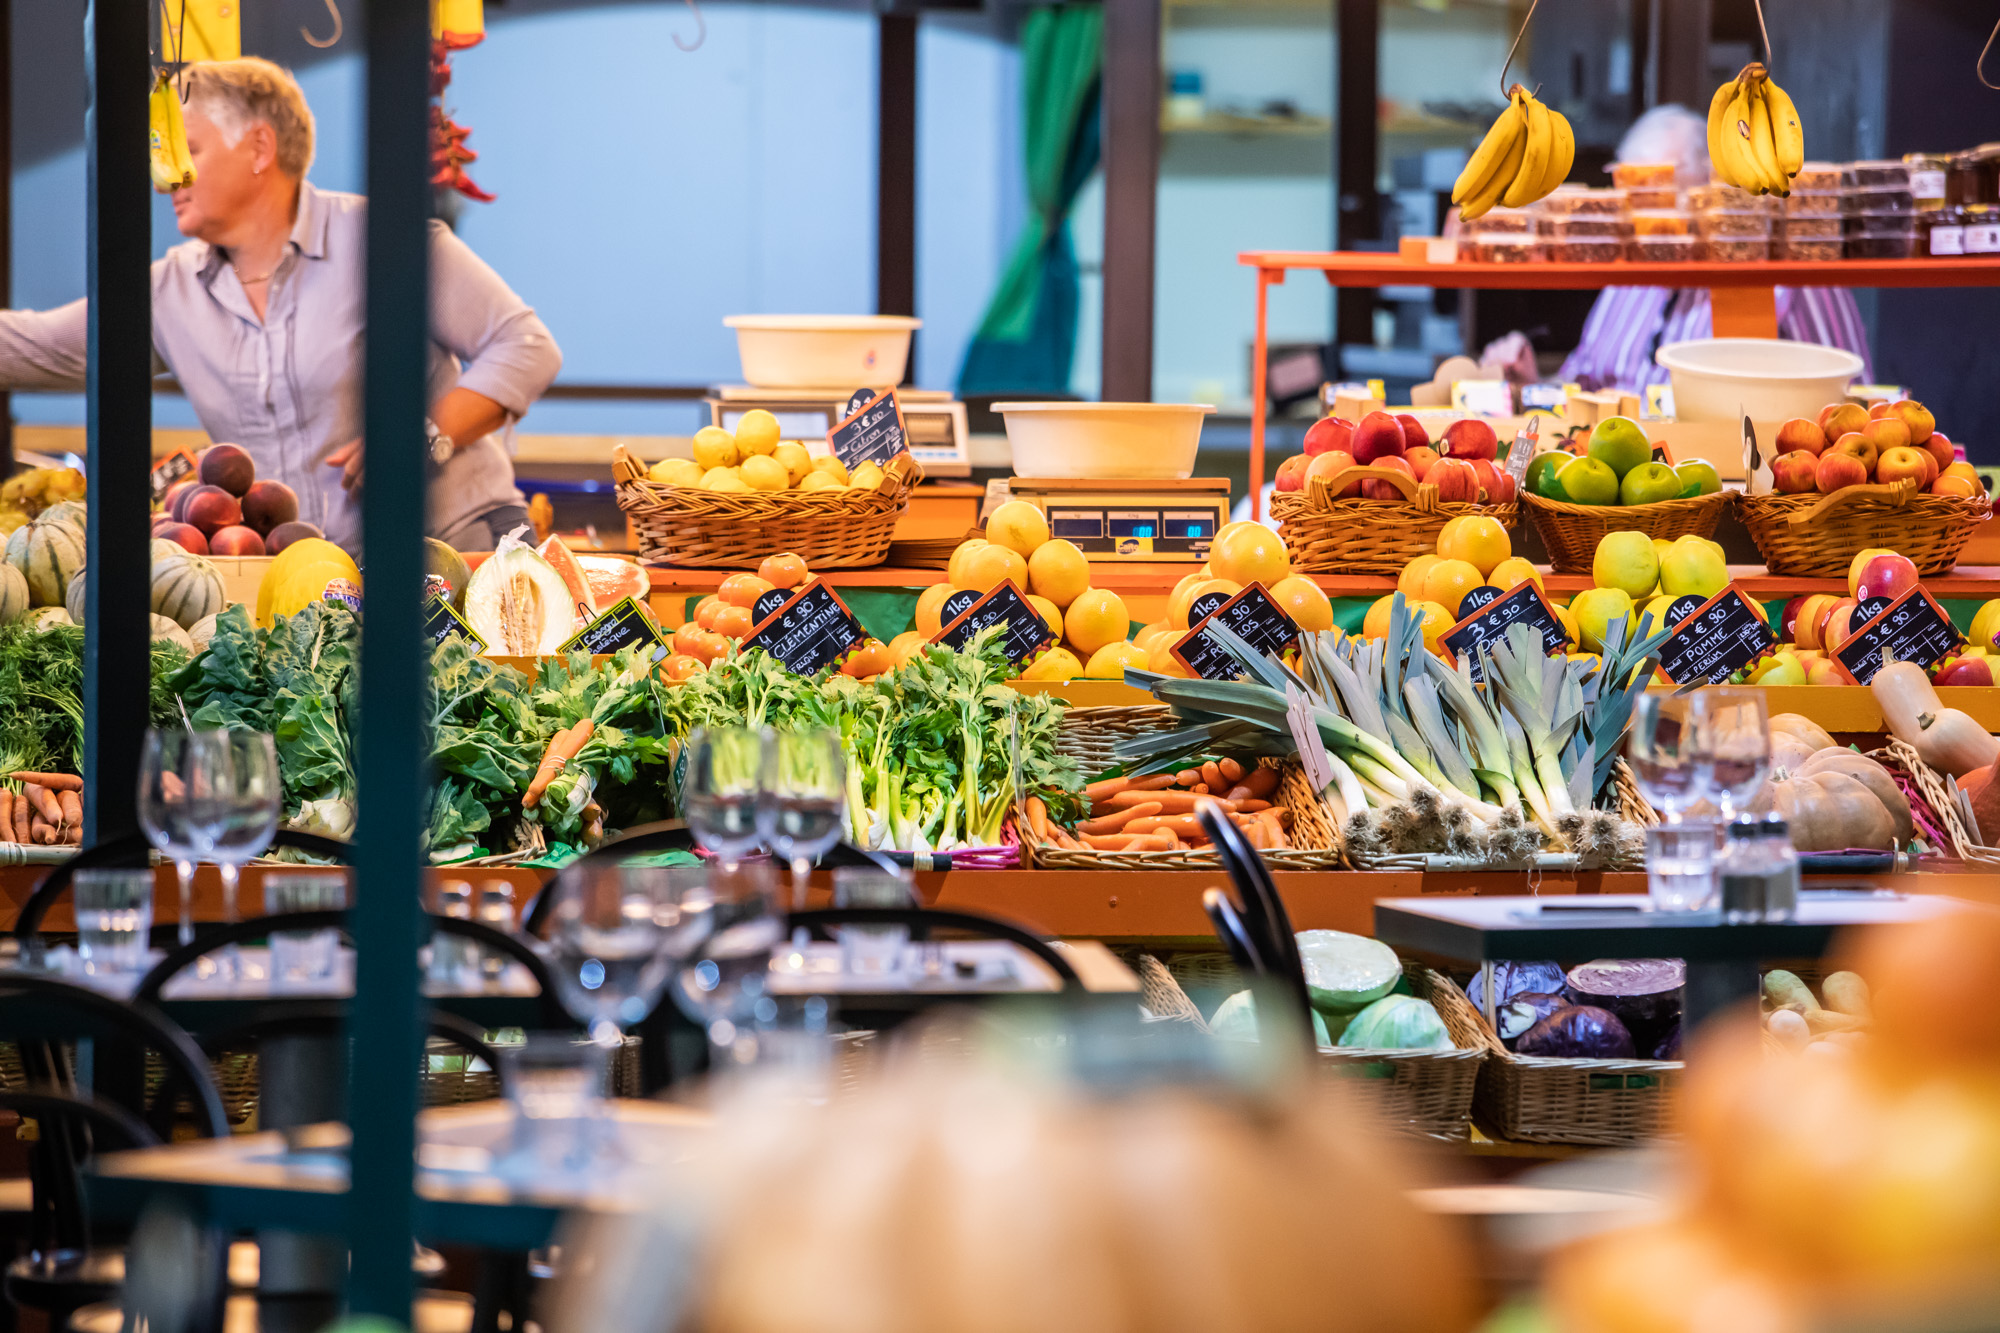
13 593
307 583
443 562
48 555
163 549
166 631
201 632
46 618
297 555
73 599
186 589
72 512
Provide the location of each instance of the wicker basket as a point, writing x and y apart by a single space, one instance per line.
690 527
1428 1093
1570 532
1614 1103
1316 843
1819 535
1356 536
1934 803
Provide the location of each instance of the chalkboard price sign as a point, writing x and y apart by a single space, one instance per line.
622 626
957 604
1261 622
442 620
1724 635
1914 629
874 434
812 630
1522 604
1024 633
174 467
767 602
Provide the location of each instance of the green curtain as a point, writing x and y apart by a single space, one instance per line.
1027 339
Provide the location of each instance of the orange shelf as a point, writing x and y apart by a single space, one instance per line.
1387 269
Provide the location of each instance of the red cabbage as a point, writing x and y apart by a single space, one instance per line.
1578 1032
1523 1012
1645 993
1511 978
1669 1046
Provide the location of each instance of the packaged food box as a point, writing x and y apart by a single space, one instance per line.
1879 225
1735 249
1882 241
1872 174
1814 251
1733 222
1816 204
1718 195
1505 222
1642 175
1483 249
1661 222
1564 226
1584 250
1569 199
1881 199
1820 177
1651 198
1660 249
1814 229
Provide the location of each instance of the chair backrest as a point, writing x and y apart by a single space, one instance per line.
329 1018
1229 929
934 918
1262 911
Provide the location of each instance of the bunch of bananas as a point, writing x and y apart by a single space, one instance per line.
1754 139
1526 154
167 137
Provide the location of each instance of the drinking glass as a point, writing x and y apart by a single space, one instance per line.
875 951
616 935
721 800
555 1086
304 955
1732 745
174 797
114 918
1680 853
727 985
247 797
804 787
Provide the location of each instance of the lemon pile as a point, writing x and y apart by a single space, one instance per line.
752 458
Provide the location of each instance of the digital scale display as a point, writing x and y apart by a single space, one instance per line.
1134 531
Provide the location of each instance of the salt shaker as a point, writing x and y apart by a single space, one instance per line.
1757 871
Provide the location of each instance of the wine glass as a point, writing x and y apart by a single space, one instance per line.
1660 747
1732 745
248 796
727 988
173 793
805 791
615 936
725 766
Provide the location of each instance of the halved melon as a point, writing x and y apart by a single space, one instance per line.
519 604
612 580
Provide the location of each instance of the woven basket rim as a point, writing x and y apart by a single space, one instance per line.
1557 1063
1688 504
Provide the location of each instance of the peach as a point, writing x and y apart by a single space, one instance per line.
1414 434
1384 490
1840 623
1470 438
1810 616
1329 464
1329 433
1456 481
1917 417
1902 462
1837 419
1798 434
1887 433
1794 473
1420 459
1859 447
1292 473
1377 437
1887 575
1839 469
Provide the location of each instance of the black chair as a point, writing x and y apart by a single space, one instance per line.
1256 925
1229 929
923 920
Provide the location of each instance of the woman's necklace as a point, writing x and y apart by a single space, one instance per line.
252 282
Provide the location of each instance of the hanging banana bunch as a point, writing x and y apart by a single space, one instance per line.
1526 154
167 137
1754 139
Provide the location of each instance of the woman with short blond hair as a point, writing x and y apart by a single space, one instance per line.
259 316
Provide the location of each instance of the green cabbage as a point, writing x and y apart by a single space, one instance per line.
1346 973
1398 1023
1236 1020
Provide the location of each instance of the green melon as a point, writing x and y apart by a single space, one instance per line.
186 589
48 556
13 593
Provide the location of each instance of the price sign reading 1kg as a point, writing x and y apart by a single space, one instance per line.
1913 629
812 630
1724 635
442 620
1521 604
622 626
1024 633
168 470
872 434
1253 616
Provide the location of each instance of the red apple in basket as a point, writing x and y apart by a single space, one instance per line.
1329 433
1379 436
1840 469
1838 419
1795 473
1332 464
1292 473
1917 417
1414 434
1905 462
1492 480
1456 481
1470 438
1374 489
1798 434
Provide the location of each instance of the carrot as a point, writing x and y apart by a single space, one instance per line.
44 802
1116 822
74 835
563 747
1251 807
53 781
44 835
23 813
1212 776
1261 782
72 808
1109 842
1153 782
1159 840
1187 777
7 817
1257 834
1183 826
1038 818
1171 802
1098 791
1231 770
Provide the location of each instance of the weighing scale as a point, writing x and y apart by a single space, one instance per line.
1136 519
935 424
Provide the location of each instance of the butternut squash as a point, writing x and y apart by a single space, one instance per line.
1872 776
1945 738
1903 692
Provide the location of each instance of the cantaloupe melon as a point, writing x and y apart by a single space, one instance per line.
13 593
186 589
166 631
48 555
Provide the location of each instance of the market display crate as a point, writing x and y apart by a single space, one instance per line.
1361 536
1542 1099
1570 532
1088 735
1427 1093
1818 536
691 527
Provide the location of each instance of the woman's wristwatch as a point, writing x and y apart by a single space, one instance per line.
442 447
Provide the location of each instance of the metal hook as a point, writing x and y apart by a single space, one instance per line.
700 29
1979 66
1770 56
1514 48
338 28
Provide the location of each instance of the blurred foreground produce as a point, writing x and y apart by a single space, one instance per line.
1851 1181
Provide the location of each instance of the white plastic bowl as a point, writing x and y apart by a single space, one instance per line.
843 352
1093 440
1768 379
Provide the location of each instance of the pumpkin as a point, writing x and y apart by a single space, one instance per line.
73 599
13 593
1982 792
187 588
1788 751
48 556
1828 810
1804 728
166 631
1871 775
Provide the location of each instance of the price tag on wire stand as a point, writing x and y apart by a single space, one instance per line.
623 626
176 466
442 620
1722 636
811 631
1253 616
1023 635
1522 604
1305 735
1914 628
872 434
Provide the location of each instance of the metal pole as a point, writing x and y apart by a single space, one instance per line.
1357 116
896 169
1131 186
6 212
386 1020
117 634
